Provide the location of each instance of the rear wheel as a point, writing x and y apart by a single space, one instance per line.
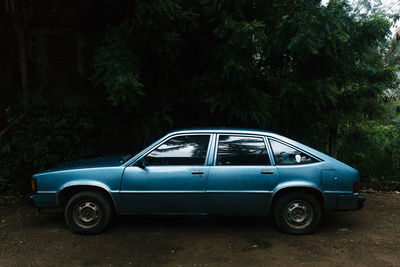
297 213
88 212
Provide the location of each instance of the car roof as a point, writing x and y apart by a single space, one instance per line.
220 130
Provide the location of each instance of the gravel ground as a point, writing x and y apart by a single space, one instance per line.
369 237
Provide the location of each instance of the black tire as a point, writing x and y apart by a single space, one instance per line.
88 212
297 213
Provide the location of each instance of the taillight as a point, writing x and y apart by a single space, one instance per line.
33 185
356 187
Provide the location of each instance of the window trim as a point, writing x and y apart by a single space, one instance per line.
270 152
318 159
166 140
241 135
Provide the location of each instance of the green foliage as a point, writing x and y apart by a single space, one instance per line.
42 139
185 57
116 69
336 65
373 149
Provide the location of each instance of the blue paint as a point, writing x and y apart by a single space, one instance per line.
216 189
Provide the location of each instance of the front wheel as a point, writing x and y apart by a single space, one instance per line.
88 212
297 213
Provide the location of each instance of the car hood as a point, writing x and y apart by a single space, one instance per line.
110 161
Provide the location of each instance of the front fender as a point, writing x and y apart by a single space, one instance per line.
84 183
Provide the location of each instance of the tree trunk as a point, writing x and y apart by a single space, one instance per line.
20 31
333 136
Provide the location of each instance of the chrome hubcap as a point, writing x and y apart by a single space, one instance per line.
87 214
298 214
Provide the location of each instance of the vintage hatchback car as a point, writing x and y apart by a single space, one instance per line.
208 171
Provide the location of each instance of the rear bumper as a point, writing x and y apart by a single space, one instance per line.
361 200
350 202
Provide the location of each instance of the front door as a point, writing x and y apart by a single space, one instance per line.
242 178
171 178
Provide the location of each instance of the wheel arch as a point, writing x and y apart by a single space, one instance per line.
66 192
313 191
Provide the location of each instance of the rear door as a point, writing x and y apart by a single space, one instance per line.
241 178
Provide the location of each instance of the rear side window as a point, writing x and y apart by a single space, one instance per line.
241 150
180 150
286 155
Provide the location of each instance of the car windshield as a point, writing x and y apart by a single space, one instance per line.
138 154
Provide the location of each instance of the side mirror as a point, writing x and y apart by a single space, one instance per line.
141 163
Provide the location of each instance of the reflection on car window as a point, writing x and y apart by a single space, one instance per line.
242 150
286 155
181 150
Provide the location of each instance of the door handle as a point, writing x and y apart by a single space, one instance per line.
197 172
267 172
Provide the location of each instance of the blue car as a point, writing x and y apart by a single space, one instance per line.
208 171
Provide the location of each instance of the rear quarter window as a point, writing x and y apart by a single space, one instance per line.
288 155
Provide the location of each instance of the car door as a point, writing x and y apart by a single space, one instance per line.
170 178
242 178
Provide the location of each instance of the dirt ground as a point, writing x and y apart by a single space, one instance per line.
369 237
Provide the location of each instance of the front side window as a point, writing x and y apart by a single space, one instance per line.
241 150
286 155
180 150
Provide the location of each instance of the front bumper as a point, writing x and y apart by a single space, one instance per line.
30 200
350 202
45 202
